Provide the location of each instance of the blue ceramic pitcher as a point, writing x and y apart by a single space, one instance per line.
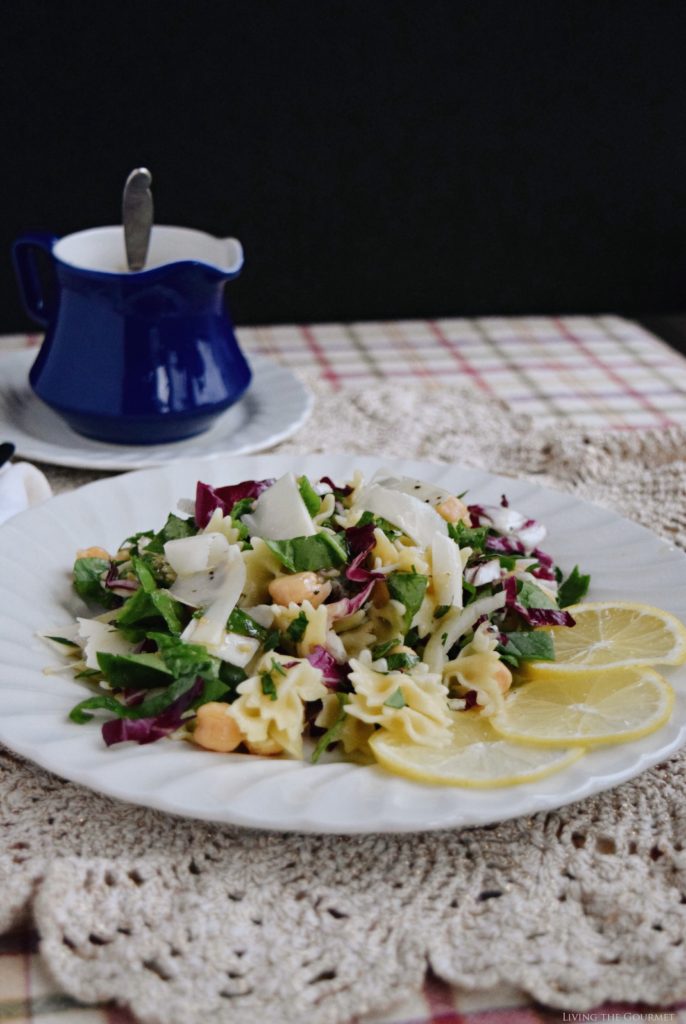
134 357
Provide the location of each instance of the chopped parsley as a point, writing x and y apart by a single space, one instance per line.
296 630
396 700
268 686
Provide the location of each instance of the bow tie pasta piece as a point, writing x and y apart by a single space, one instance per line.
316 632
478 667
355 733
261 567
270 708
409 704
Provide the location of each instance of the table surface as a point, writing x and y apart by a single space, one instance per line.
603 372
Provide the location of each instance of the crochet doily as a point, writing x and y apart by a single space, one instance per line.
187 922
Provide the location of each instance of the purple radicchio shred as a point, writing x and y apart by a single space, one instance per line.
357 573
356 602
112 581
469 699
505 545
476 513
149 730
543 573
535 616
208 498
360 540
503 501
333 674
343 491
350 605
549 617
123 585
543 559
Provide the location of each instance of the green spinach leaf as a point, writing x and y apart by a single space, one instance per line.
134 671
322 551
89 574
573 588
408 588
308 494
536 645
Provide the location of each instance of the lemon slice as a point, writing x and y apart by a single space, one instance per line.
476 757
613 635
588 709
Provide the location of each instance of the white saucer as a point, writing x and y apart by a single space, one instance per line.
273 408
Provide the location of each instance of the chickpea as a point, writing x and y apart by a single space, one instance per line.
94 552
503 678
265 748
216 729
453 510
301 586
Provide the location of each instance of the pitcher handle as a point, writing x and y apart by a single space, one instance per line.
31 288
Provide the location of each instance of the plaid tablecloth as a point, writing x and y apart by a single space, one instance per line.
603 372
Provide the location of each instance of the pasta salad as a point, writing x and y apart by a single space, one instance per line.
291 616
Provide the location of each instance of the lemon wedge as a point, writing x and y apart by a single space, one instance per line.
588 708
476 756
611 635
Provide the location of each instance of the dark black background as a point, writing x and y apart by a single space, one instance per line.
377 159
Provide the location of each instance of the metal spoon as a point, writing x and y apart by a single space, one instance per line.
6 452
137 213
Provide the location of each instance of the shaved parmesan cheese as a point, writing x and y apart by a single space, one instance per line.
194 554
505 520
280 512
262 614
236 649
417 519
446 571
456 624
224 586
416 488
100 636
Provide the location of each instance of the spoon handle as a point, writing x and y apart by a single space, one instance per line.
137 214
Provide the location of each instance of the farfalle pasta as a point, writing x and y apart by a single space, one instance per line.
289 617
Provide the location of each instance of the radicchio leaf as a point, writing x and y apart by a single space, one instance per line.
475 514
544 572
349 605
535 616
208 498
148 730
360 540
333 674
343 491
112 581
505 545
543 559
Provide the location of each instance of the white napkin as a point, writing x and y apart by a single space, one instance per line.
21 485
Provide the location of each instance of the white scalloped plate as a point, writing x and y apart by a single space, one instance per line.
275 405
36 551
